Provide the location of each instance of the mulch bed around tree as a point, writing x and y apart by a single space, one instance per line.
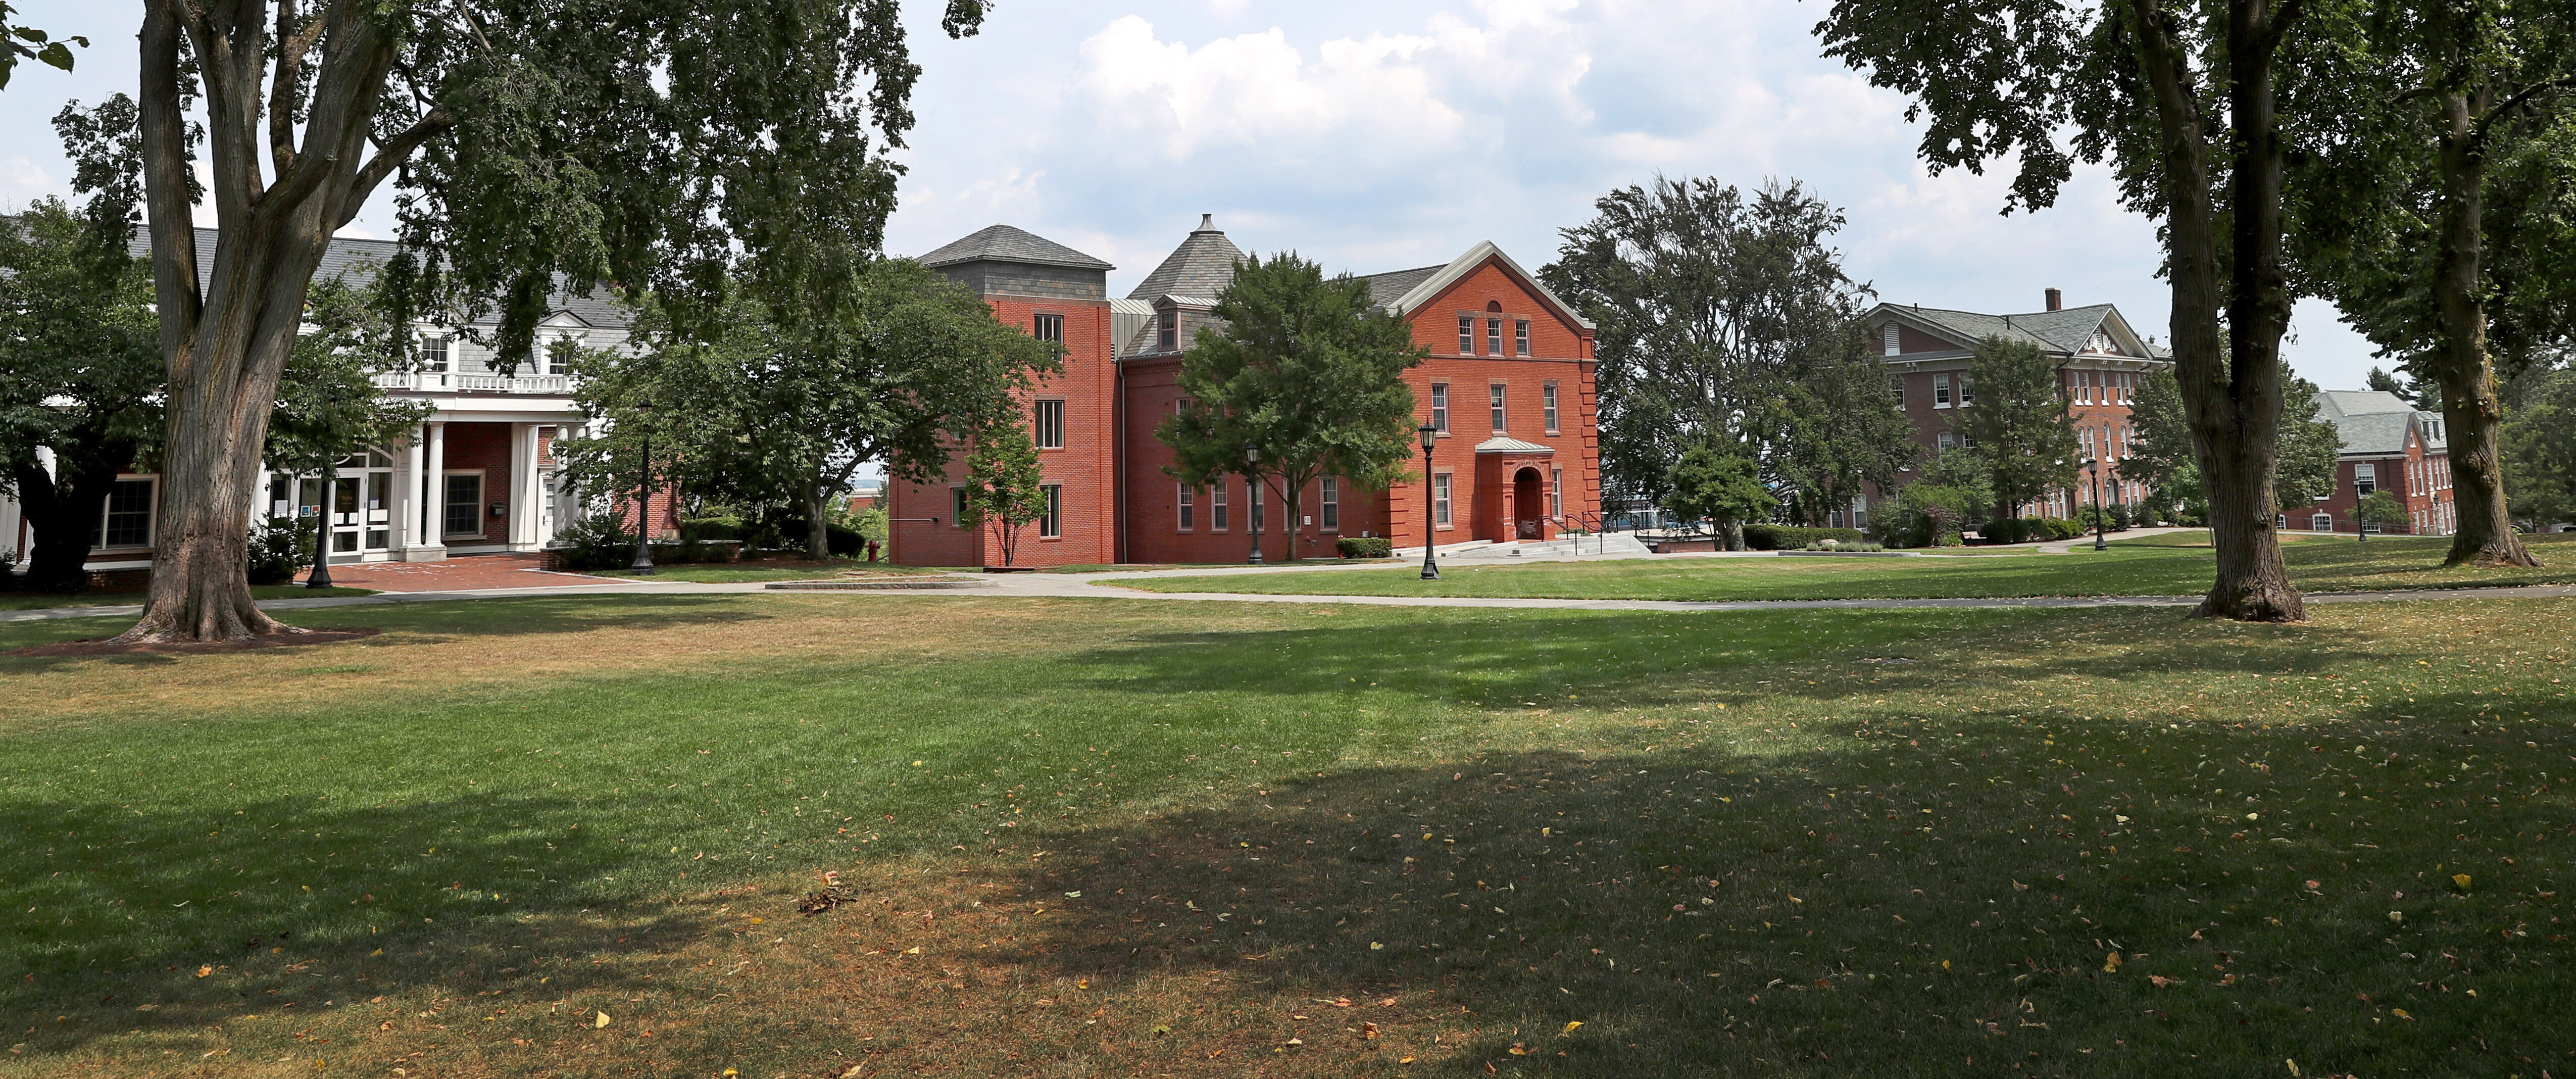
100 647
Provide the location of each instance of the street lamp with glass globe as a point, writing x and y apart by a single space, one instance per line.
644 502
1430 436
1252 494
2099 543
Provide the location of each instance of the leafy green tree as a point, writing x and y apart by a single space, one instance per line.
784 400
2310 447
2540 448
1728 317
1305 379
2182 97
2161 455
2019 425
21 42
1712 484
658 145
1005 491
328 404
2444 128
2377 508
80 371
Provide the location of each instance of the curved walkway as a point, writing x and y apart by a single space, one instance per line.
1085 586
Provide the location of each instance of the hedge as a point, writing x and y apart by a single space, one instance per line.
1793 538
1365 547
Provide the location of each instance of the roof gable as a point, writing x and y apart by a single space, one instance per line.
1436 280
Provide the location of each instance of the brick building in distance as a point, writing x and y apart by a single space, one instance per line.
2388 445
1509 383
2100 362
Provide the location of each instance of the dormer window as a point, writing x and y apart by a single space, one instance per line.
1168 337
2101 342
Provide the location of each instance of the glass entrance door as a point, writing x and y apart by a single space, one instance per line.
357 506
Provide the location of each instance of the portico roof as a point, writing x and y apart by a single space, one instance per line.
1502 444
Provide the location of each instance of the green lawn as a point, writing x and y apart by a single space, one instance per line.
37 601
1088 837
2317 565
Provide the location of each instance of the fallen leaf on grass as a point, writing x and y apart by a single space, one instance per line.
1368 1031
2401 1013
2461 879
2162 981
204 971
1570 1025
600 1023
2111 963
1518 1050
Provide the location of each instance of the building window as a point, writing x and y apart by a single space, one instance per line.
1440 406
1556 492
1940 391
1494 336
2322 522
1440 499
1051 524
1495 392
1331 514
1217 507
1520 337
1189 507
957 506
1048 328
1967 389
1547 405
2365 478
1896 389
1946 440
464 506
1891 339
1050 425
433 352
1466 335
1168 337
127 521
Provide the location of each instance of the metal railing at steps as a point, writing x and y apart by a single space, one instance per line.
1583 523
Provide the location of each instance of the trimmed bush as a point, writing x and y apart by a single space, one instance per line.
596 542
1839 545
1793 538
1365 547
711 528
278 547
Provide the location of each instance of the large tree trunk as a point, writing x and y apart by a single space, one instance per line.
226 337
62 509
2231 390
2471 409
818 528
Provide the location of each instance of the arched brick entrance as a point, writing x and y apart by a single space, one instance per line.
1529 505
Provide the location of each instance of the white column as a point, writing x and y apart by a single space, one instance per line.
433 509
406 507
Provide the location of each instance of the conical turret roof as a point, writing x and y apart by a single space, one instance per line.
1202 266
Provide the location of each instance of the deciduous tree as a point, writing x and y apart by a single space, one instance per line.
2019 424
1727 317
1304 379
2540 448
1005 490
536 146
2180 96
1715 484
19 41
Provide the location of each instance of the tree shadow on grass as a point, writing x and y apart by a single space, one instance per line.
421 622
139 921
1866 912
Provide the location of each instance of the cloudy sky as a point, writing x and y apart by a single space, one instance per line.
1383 134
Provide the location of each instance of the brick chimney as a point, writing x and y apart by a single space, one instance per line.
2056 300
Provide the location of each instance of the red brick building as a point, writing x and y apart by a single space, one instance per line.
2388 445
1509 383
2100 362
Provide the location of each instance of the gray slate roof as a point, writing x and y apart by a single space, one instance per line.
2057 331
1386 288
357 260
1002 243
2374 423
1202 266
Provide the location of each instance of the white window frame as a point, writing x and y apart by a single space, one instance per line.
2323 522
1945 441
1466 335
1940 390
1041 410
151 515
1547 405
1329 504
1494 334
447 501
2365 478
1896 386
1043 321
1440 486
1218 515
1967 390
1892 339
1440 406
957 506
1497 398
437 345
1521 337
1051 522
1556 492
1188 509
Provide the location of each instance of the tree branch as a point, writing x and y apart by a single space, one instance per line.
287 85
163 127
2478 135
390 154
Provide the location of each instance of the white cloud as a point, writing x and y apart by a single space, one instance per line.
22 180
1258 90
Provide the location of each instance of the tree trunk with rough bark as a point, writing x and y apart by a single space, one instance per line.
2471 409
818 528
62 510
2231 388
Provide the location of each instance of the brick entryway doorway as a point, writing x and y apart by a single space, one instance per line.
1529 505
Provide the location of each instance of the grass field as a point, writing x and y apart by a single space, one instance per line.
38 601
1102 838
766 570
2317 566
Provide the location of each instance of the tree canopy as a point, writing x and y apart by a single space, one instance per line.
653 145
2012 411
1712 484
1303 378
783 401
19 41
1729 317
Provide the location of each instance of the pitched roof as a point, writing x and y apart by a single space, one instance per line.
2373 422
1432 281
1202 266
1002 243
1507 444
2066 332
1386 288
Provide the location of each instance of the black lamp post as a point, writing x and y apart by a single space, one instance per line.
1252 495
2099 543
1430 436
644 501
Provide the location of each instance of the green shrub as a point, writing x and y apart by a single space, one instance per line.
1840 545
596 542
1365 547
278 547
711 528
1792 538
